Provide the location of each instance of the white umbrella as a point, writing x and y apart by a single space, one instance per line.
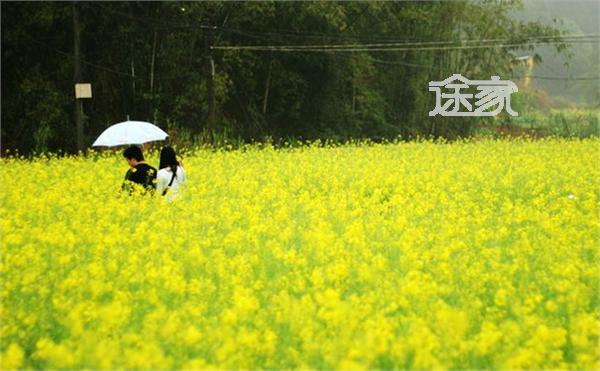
130 132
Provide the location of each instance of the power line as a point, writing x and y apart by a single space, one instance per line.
369 45
328 48
516 77
403 64
171 25
305 35
566 38
558 78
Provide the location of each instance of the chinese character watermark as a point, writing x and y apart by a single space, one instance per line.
492 93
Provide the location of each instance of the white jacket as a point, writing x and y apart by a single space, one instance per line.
163 177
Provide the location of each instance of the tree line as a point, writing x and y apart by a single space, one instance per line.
180 65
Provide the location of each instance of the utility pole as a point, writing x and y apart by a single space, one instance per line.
267 86
210 71
77 75
132 108
153 58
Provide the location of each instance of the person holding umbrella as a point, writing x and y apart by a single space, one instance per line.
141 175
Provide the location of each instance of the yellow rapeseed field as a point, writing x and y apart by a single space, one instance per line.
422 255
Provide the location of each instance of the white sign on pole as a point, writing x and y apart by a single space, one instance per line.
83 90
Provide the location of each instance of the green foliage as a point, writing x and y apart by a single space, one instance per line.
151 62
523 101
579 123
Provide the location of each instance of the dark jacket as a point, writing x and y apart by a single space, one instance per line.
142 176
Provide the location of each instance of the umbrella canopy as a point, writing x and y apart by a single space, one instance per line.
130 132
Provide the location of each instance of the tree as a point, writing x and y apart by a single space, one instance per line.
154 62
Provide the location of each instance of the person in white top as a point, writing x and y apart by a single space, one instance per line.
170 174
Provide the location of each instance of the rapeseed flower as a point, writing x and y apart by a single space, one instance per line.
422 255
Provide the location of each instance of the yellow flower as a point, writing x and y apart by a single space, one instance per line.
12 358
191 335
419 255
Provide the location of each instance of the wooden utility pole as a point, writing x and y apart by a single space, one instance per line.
153 58
132 109
77 75
210 84
267 87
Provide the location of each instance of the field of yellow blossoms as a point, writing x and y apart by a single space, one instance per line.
421 255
